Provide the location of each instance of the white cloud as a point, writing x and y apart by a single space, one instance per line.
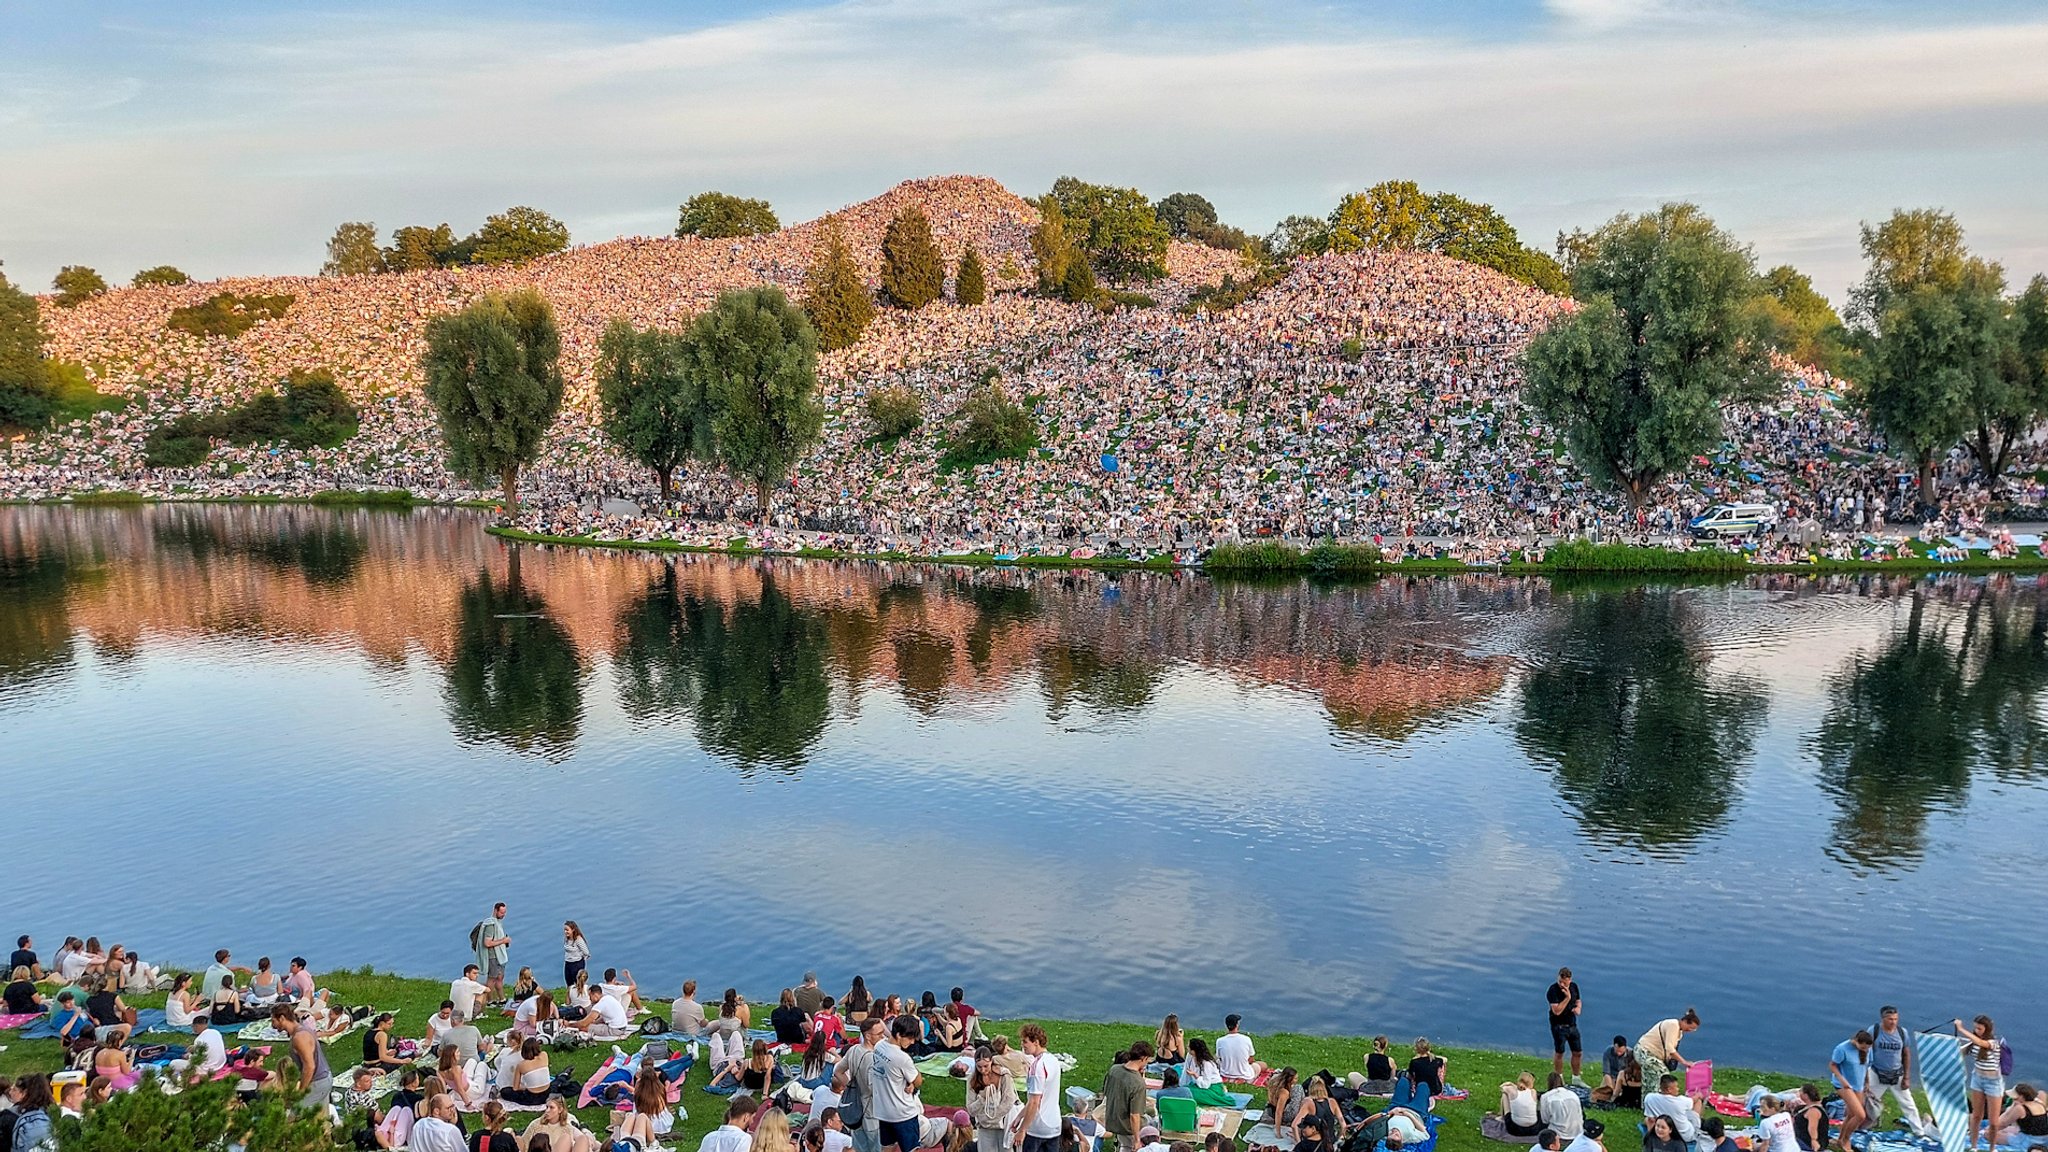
242 157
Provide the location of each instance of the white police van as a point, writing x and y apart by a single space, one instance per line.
1734 520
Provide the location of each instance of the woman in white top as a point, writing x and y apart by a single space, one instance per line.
575 952
181 1008
1518 1106
1202 1071
1774 1127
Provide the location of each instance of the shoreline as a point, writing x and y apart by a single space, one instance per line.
1299 564
1476 1069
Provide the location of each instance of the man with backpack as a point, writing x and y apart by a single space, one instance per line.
493 949
854 1082
1891 1071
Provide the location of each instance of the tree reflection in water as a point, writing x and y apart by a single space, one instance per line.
1943 695
515 678
1647 745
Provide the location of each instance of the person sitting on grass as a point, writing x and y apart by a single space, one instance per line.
536 1016
1235 1054
827 1028
1683 1110
1310 1136
526 987
558 1130
1283 1098
1319 1109
1202 1069
21 996
1427 1069
439 1023
1661 1135
377 1051
1518 1111
112 1018
1379 1070
620 986
606 1019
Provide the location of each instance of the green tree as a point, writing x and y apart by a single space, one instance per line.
913 272
415 248
75 284
1646 745
353 251
519 234
515 679
894 411
836 297
204 1114
718 216
649 405
1051 245
1186 215
1078 285
755 356
993 426
162 274
1808 329
495 379
1665 335
1299 236
1932 333
1390 214
1116 227
25 385
2017 400
970 282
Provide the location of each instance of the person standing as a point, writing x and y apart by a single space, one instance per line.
854 1081
895 1080
1038 1128
1849 1067
1657 1049
810 997
575 952
1123 1096
1983 1049
1565 1005
1891 1071
316 1081
493 950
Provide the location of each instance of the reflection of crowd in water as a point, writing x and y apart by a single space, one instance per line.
1630 695
1235 425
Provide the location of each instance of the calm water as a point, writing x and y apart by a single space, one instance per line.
1389 807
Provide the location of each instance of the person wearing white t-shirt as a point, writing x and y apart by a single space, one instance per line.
208 1054
437 1131
1775 1131
1588 1139
465 991
1234 1052
1038 1125
732 1136
607 1017
836 1138
439 1023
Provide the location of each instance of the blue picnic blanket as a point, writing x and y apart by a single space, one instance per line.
146 1020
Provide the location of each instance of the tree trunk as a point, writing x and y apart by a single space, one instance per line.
1927 479
764 490
509 477
668 487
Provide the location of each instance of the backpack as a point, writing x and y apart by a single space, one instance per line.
476 936
653 1026
7 1119
853 1110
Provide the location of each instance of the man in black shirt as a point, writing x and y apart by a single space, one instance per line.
1564 1021
25 957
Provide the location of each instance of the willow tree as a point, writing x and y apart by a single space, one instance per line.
1666 333
754 356
494 377
649 406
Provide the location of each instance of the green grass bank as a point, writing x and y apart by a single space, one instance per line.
1479 1071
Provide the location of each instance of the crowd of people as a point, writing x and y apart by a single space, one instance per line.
845 1073
1372 396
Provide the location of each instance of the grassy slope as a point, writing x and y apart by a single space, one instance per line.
1478 1071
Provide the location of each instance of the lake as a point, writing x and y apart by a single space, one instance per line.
1391 807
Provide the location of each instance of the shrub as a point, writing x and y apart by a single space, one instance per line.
1232 291
1117 298
312 412
992 427
894 411
1273 556
1586 556
227 314
1352 348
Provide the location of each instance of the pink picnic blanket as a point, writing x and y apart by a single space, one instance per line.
18 1019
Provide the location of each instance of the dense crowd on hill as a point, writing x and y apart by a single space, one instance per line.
1365 396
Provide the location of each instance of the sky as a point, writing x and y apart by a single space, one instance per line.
230 138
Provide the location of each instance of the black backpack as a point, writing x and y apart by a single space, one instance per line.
853 1110
7 1119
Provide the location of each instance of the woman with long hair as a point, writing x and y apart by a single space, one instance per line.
1985 1052
575 952
181 1008
771 1132
526 987
377 1051
759 1074
1283 1098
1168 1045
492 1137
559 1132
991 1098
857 1001
1202 1070
1322 1110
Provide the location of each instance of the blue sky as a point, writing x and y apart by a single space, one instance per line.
230 138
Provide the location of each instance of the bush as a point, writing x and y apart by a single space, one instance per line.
75 284
993 427
1586 556
312 412
1272 556
1116 298
227 314
894 411
1352 349
1232 291
162 274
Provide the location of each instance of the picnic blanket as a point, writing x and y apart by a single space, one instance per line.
1496 1129
1938 1058
1728 1105
146 1020
9 1022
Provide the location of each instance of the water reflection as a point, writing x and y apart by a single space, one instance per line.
35 629
516 678
1648 744
1906 725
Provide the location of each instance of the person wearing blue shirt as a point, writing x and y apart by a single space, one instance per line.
72 1021
1849 1066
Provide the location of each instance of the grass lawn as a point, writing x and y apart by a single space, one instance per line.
1478 1071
